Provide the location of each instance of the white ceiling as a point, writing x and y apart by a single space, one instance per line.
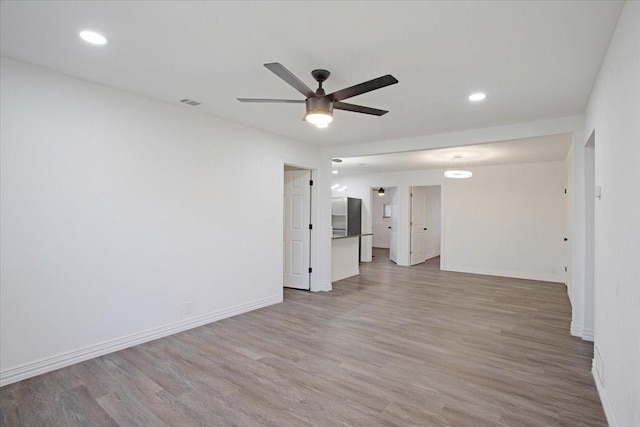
535 59
530 150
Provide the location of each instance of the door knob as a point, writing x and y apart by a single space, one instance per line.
425 229
389 228
565 239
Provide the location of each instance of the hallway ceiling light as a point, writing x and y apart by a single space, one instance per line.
381 192
458 174
455 171
337 163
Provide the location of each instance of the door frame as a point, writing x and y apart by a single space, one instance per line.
298 181
588 321
315 283
412 222
367 248
440 225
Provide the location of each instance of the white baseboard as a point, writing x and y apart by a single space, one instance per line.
432 255
326 287
49 364
581 332
576 330
606 406
503 273
587 335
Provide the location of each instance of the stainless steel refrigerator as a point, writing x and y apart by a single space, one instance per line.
346 216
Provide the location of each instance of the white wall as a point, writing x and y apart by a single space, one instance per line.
117 209
380 225
613 112
506 221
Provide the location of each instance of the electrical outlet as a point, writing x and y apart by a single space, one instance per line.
188 307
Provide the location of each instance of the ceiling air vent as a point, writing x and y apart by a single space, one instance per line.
190 102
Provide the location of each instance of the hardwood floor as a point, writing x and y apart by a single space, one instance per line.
393 346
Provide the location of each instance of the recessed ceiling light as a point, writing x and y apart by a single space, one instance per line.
478 96
93 37
335 172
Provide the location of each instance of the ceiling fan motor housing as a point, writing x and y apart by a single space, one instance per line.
320 105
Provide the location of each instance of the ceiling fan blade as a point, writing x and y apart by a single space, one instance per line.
280 101
358 109
286 75
365 87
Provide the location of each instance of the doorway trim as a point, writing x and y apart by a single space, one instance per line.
428 254
589 235
315 279
367 241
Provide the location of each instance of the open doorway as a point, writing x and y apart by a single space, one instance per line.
425 223
384 221
297 228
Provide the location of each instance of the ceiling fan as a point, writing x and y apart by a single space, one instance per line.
319 105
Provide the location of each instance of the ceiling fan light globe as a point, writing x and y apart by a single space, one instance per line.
320 119
458 174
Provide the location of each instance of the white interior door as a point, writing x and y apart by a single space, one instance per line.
418 225
393 228
297 235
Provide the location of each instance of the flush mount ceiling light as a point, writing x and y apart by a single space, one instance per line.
93 37
381 192
478 96
457 172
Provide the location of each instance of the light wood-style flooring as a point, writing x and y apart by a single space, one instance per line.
395 346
